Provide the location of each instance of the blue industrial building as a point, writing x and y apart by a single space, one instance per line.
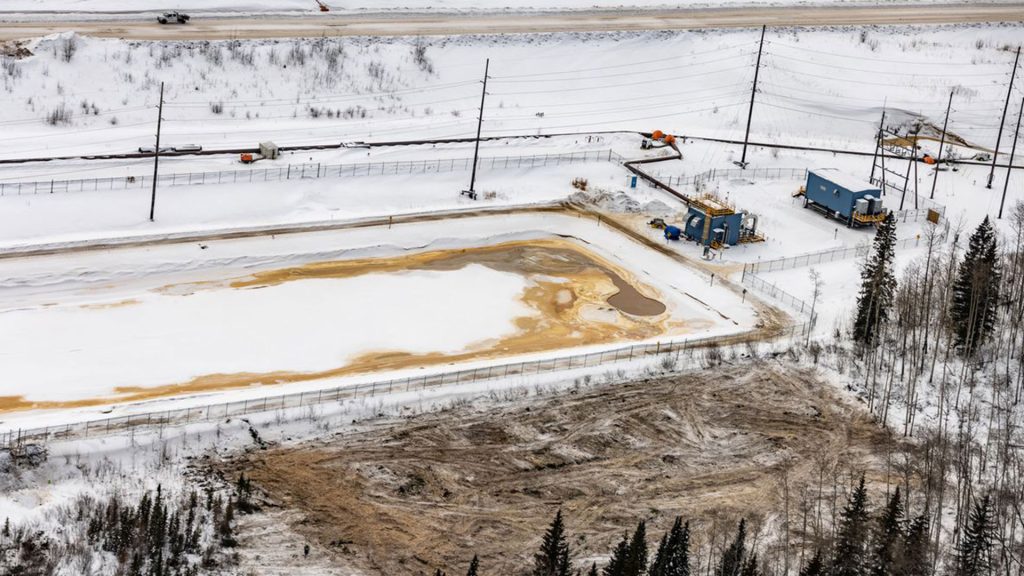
843 197
713 222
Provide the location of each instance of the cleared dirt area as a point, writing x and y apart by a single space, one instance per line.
428 492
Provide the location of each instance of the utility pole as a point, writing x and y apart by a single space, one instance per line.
479 125
1009 165
999 134
878 146
942 144
753 91
156 153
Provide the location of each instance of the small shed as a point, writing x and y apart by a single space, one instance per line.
269 150
843 197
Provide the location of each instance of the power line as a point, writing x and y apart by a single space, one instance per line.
833 66
873 59
627 65
631 72
604 86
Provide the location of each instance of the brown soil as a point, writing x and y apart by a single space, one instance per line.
578 298
428 492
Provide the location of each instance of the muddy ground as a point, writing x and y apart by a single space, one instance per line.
431 490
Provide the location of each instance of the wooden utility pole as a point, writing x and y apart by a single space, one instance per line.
156 153
479 126
999 134
878 147
753 92
942 143
1009 165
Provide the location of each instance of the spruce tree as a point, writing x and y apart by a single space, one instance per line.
878 284
636 561
976 290
887 538
620 557
750 567
732 558
974 557
553 557
593 569
673 556
660 558
474 566
849 557
916 559
816 567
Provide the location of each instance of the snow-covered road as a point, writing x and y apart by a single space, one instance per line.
418 24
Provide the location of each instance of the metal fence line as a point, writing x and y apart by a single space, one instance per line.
697 180
224 410
773 291
826 256
302 171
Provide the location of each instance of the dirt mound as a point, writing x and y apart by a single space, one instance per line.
14 49
433 490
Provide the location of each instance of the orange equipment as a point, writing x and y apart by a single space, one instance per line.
657 135
246 158
669 139
928 159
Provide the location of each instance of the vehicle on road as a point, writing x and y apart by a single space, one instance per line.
168 17
152 149
188 148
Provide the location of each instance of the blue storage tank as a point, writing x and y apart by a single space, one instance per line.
837 193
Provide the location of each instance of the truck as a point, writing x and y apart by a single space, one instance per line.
168 17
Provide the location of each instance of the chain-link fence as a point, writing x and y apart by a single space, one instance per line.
772 291
303 171
225 410
826 256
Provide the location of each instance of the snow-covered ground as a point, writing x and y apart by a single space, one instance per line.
820 87
115 319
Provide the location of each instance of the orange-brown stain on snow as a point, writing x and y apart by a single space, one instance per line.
577 299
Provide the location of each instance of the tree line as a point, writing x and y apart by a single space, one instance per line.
881 543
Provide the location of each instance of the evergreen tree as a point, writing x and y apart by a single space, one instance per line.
593 569
636 561
976 289
878 284
732 558
660 558
620 557
673 556
849 557
975 555
816 567
474 566
553 557
916 560
750 567
227 536
887 538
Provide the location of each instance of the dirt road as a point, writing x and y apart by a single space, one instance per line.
427 492
211 28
